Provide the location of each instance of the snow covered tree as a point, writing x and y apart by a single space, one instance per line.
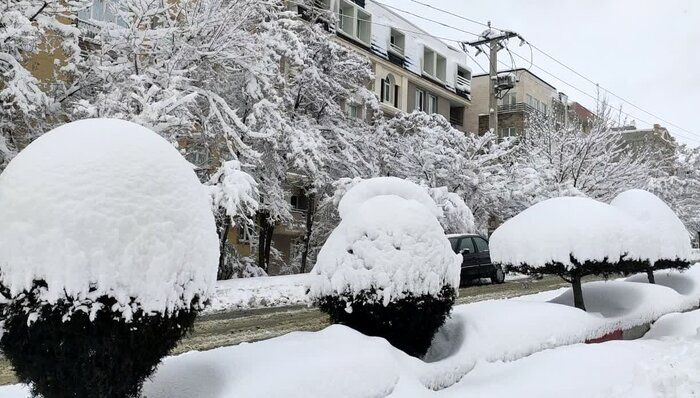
235 195
670 247
426 149
592 160
572 238
106 258
679 189
29 28
388 267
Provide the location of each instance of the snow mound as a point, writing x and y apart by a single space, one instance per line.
686 283
638 303
388 243
670 237
553 230
685 324
107 207
379 186
271 368
260 292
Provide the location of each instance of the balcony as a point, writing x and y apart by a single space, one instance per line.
518 107
88 28
464 84
396 49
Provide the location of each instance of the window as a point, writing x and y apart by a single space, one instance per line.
508 99
466 244
397 42
530 101
434 64
432 104
544 108
420 100
102 11
299 202
508 132
355 111
390 91
481 244
354 22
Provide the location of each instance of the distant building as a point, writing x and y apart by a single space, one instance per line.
413 70
657 138
531 94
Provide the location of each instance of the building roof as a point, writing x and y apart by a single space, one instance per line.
519 70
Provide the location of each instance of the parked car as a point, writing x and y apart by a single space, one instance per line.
476 260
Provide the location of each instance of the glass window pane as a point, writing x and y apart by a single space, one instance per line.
466 243
481 245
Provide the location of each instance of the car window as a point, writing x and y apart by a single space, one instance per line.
454 243
481 244
466 243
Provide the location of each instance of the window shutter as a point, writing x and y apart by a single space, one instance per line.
381 95
396 96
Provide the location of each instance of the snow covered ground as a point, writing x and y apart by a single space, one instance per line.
259 292
274 291
492 348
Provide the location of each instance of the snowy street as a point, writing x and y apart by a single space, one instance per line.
231 326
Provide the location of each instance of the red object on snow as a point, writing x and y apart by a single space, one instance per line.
616 335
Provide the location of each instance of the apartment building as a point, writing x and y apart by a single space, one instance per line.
657 139
413 70
530 94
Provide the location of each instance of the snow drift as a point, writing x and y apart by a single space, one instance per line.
107 207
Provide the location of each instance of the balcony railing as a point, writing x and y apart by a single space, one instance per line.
396 49
518 107
88 28
463 83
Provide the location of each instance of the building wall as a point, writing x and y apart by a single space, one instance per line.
527 84
479 105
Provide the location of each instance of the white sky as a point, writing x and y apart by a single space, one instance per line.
646 51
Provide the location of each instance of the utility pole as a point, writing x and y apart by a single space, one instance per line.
495 45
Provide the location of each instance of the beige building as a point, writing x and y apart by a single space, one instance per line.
530 94
413 70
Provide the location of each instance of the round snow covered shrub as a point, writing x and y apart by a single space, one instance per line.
571 237
387 269
670 242
107 249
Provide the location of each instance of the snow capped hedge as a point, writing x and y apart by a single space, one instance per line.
106 207
554 230
389 240
670 239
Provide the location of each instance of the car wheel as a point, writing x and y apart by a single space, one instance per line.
498 275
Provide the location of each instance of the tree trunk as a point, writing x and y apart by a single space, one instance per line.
650 275
309 227
223 237
578 291
262 240
268 244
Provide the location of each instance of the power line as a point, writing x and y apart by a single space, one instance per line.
377 23
549 56
427 19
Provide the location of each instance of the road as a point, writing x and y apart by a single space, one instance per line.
229 328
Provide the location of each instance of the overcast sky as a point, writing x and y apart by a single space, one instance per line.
646 51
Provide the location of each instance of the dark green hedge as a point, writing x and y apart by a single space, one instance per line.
408 324
106 357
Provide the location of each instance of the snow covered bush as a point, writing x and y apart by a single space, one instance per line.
670 248
571 237
387 269
108 249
